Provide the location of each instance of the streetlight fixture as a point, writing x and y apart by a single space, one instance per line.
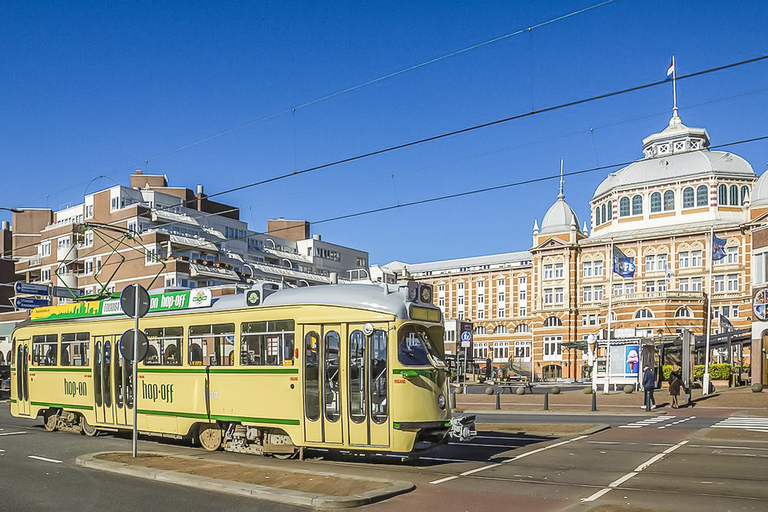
12 210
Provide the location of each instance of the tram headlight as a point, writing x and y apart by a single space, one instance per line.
441 401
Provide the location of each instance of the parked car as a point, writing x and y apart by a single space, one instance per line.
5 381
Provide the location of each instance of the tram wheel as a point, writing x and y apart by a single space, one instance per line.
284 456
210 437
50 419
86 428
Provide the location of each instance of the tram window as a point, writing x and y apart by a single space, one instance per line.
166 342
414 347
357 361
379 376
311 374
331 373
74 349
212 345
267 343
44 350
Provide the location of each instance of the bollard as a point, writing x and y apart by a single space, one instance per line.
546 401
594 402
453 400
647 401
498 400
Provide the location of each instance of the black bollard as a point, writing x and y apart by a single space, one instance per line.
453 400
498 400
594 402
546 401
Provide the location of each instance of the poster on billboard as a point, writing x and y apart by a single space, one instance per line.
631 359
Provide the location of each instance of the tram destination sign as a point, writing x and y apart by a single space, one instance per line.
171 301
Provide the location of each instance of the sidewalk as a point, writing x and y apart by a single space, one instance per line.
616 402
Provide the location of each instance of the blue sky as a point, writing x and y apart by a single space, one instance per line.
223 94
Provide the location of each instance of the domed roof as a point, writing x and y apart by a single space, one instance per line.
559 218
760 191
676 153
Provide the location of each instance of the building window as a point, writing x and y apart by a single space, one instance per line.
688 198
553 321
669 200
733 282
644 313
683 259
548 295
744 193
734 195
523 311
548 271
610 210
586 269
637 205
683 312
624 207
650 263
522 328
719 284
696 284
598 267
650 286
656 202
696 259
598 293
597 215
558 295
501 297
501 313
523 294
553 348
722 195
702 194
558 270
586 294
500 329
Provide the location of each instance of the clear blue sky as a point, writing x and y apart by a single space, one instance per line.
93 89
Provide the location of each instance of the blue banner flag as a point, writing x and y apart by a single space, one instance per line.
718 248
623 264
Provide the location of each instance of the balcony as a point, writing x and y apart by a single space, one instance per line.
66 254
667 296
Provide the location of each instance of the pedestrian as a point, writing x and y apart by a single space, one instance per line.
675 380
649 382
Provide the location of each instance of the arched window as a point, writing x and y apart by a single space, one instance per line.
610 210
643 313
480 329
722 194
656 202
669 200
500 329
637 205
683 312
734 195
602 213
701 195
597 215
744 193
688 198
624 207
522 328
553 321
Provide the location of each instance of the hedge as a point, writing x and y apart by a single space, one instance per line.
720 371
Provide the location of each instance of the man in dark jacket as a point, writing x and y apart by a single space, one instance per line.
649 382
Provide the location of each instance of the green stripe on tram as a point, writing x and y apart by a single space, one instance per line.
412 372
197 416
81 369
63 406
230 371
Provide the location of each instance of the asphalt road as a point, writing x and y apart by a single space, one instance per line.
643 462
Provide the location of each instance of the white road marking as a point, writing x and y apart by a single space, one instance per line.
12 433
483 468
637 470
44 459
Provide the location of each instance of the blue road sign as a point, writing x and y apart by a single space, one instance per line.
25 303
466 336
31 288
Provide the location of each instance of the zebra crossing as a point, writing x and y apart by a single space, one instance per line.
646 422
751 424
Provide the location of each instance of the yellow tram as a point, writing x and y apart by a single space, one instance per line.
350 367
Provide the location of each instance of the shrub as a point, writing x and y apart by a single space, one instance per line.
720 371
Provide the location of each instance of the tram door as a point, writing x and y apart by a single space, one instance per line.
113 394
322 384
368 386
23 351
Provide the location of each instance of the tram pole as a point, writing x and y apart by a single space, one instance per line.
135 374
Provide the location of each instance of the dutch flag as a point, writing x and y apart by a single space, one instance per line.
671 68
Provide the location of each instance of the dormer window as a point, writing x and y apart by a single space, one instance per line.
679 146
695 144
662 149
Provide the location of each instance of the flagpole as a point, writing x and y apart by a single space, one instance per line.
705 383
607 382
674 86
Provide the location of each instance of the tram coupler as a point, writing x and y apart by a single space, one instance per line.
463 428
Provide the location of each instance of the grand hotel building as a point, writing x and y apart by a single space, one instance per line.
535 308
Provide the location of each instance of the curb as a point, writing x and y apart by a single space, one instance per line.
287 496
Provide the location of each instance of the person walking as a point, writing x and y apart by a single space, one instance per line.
675 380
649 383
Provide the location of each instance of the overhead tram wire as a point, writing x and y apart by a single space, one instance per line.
361 85
473 128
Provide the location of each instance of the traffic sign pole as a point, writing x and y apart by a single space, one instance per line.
136 372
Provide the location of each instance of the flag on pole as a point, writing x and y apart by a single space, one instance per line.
718 248
623 264
725 324
671 68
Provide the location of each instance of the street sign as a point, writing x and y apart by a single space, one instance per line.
126 345
65 293
27 303
128 301
31 288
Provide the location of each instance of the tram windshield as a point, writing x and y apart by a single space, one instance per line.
415 348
